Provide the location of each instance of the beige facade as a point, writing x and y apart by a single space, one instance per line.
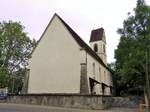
101 49
55 65
63 63
96 71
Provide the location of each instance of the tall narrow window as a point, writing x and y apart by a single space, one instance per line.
100 74
104 49
94 70
95 48
104 75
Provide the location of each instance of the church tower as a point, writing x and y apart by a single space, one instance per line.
98 43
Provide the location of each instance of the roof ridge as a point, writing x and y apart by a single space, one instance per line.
82 43
98 29
76 37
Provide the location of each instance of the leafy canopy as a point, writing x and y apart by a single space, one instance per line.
132 48
15 50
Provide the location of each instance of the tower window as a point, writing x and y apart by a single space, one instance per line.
95 48
104 49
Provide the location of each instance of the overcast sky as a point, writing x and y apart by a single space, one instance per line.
82 15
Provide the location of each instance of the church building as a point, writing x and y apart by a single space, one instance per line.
63 63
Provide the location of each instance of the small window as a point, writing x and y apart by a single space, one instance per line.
95 48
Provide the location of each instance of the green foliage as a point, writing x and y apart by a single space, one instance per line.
15 50
133 45
4 78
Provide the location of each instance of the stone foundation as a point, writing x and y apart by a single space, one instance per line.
63 100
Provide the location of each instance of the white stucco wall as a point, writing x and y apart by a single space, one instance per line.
55 63
101 74
100 49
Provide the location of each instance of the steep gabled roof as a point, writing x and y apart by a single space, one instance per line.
82 43
77 39
97 35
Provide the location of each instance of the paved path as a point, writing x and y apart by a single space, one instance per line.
5 107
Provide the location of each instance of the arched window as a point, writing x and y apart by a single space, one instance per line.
95 48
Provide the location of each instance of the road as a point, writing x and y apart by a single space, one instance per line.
5 107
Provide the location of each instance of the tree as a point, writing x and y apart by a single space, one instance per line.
15 50
4 78
134 44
